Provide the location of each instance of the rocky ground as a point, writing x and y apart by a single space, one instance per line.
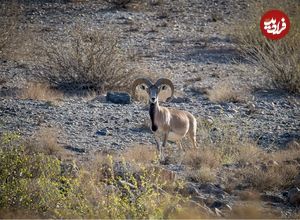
186 41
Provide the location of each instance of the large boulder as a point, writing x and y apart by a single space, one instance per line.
118 97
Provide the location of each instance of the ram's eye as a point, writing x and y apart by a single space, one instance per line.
164 87
143 87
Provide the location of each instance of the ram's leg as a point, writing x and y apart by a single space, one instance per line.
179 143
193 133
159 148
165 139
192 137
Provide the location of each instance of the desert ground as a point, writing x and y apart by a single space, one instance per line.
97 155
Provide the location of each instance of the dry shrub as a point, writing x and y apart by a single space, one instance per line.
203 175
88 61
10 12
223 139
207 157
140 154
224 92
290 153
278 59
251 153
270 178
262 171
40 91
191 211
251 210
45 141
202 164
249 195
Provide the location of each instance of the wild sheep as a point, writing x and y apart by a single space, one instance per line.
172 124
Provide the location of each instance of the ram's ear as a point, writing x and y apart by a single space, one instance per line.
164 87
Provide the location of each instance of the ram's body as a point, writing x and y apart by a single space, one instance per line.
176 123
171 124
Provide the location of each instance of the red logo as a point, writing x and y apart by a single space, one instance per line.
275 24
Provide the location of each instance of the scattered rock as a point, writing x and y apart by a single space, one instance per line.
102 132
190 189
217 204
180 100
297 181
75 149
272 198
210 188
294 196
118 97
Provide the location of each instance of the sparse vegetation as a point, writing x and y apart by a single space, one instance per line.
255 168
40 180
278 59
106 167
225 92
9 15
35 183
40 91
89 61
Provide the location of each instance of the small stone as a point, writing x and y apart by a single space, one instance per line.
217 204
272 198
102 132
118 97
180 100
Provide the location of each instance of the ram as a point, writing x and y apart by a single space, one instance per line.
171 124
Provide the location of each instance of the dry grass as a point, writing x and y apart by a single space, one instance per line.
249 195
225 92
202 175
197 158
262 171
252 210
40 91
278 59
88 61
44 141
270 178
140 154
253 168
9 16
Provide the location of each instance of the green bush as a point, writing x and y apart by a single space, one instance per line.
35 183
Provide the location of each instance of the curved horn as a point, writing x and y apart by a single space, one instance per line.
167 82
139 81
